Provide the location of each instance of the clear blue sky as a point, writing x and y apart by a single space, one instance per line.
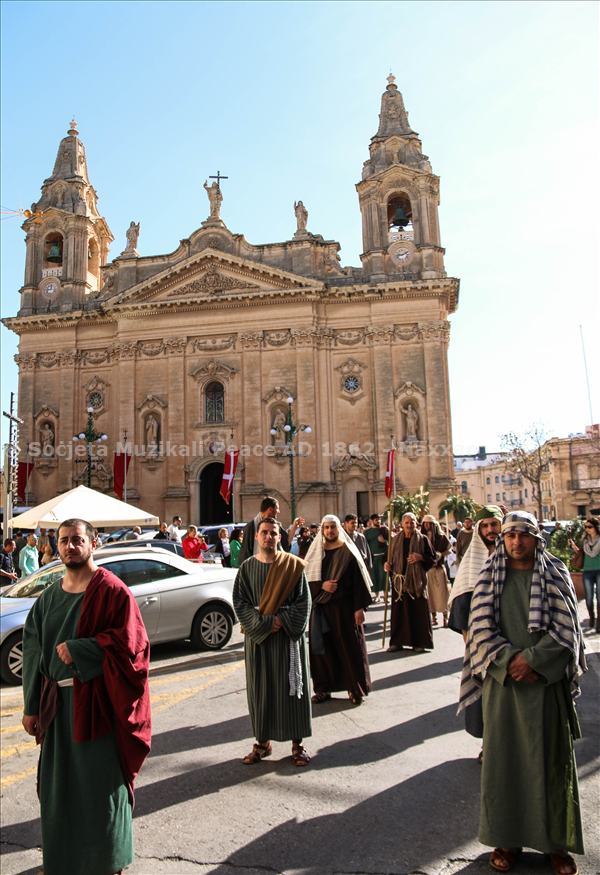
284 98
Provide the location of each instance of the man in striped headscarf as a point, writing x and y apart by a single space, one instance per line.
524 651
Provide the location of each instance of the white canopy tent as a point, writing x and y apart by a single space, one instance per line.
86 504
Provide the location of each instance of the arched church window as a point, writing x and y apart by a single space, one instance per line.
215 402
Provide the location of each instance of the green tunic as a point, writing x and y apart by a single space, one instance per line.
529 791
85 810
379 555
274 714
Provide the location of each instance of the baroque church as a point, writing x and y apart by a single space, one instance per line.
149 344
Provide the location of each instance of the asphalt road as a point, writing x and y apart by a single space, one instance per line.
392 789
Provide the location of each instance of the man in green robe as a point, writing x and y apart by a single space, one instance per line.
86 699
524 651
272 600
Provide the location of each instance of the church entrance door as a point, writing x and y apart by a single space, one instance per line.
213 510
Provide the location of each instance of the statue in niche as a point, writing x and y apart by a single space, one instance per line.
132 234
301 215
47 435
278 422
215 196
60 197
412 422
151 431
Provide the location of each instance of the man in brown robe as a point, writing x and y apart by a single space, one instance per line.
339 585
412 557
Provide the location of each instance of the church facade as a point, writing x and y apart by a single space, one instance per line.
180 352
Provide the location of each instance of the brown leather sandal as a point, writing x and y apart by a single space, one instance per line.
320 697
560 859
258 753
355 698
508 856
299 755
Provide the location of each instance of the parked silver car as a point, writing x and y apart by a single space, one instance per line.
177 599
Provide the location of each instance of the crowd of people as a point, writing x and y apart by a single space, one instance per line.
302 597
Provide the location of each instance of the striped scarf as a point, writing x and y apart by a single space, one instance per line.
552 608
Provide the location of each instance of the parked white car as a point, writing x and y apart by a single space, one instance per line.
177 599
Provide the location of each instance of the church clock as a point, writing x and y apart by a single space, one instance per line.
401 253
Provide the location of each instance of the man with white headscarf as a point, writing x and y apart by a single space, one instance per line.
524 652
340 588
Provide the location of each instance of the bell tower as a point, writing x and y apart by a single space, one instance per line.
67 239
399 198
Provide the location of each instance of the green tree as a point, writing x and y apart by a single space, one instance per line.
559 543
528 455
459 506
407 503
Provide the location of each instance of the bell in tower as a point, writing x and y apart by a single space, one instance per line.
399 198
63 228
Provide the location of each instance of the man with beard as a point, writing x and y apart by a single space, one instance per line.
274 644
487 528
86 700
340 587
524 652
412 557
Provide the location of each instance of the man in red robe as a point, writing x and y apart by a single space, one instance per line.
85 687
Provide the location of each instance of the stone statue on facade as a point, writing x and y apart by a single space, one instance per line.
278 422
151 431
47 435
412 422
301 215
132 234
215 196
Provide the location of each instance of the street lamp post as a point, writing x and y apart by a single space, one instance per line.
291 429
90 435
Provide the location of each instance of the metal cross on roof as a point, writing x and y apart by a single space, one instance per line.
218 177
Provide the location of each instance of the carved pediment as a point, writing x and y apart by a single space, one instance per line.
212 282
212 369
209 274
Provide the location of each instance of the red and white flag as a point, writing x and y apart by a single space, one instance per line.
120 468
389 475
231 460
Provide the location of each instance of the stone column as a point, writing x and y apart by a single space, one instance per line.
73 418
123 396
252 418
176 491
31 258
441 464
424 221
382 380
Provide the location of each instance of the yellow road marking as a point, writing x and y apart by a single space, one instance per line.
12 779
8 712
187 676
12 728
167 700
15 749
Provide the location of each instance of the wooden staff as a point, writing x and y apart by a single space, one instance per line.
387 576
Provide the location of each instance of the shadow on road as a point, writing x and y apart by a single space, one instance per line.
423 819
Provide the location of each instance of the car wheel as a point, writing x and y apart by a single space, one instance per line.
11 659
212 628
